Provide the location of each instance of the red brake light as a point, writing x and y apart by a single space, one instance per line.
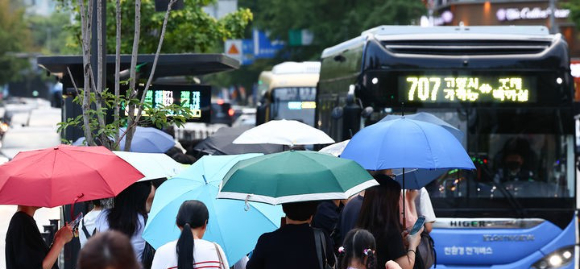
231 112
220 102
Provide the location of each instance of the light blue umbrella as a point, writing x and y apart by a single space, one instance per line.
148 140
232 225
406 143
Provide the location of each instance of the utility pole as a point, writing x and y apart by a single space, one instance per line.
553 27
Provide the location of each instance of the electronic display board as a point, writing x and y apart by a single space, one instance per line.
196 97
471 88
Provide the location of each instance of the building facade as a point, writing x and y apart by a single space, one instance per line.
507 12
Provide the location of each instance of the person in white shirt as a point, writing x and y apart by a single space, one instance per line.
87 226
129 213
190 249
425 208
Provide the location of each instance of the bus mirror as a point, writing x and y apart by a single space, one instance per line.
367 111
337 113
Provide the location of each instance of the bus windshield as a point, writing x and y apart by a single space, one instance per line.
531 162
294 103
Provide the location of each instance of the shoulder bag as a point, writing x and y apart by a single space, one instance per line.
321 249
217 250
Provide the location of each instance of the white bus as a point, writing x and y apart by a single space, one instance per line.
288 91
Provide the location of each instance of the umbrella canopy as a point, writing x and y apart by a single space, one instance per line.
295 176
152 165
406 143
428 117
284 132
221 143
335 149
61 175
201 182
148 140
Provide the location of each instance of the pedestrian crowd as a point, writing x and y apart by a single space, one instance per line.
368 231
365 232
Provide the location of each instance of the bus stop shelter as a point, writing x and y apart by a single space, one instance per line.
70 68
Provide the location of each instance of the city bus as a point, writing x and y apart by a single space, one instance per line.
509 89
288 92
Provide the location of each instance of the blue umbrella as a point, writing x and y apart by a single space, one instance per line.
428 117
201 181
418 178
406 143
148 140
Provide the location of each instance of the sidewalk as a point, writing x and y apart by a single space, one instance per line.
42 217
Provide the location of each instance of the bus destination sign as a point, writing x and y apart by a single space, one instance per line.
451 89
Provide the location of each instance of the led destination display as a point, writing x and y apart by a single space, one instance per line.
449 89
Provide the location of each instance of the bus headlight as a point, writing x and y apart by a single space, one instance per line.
555 259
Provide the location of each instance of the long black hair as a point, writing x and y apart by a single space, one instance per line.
358 243
380 208
129 204
192 214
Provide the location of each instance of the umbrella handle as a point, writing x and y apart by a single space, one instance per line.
247 203
72 207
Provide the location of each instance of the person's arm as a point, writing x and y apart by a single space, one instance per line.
62 236
257 258
407 261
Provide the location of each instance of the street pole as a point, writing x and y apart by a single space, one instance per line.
553 26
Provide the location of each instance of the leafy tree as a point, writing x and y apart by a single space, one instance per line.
14 38
330 21
145 33
188 30
48 36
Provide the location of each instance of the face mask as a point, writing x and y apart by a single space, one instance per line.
512 165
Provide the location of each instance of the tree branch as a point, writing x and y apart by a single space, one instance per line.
151 75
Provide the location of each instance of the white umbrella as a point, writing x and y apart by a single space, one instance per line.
284 132
152 165
335 149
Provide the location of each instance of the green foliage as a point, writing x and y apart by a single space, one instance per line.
188 30
14 38
48 36
574 6
331 21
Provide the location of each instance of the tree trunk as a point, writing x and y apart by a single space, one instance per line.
100 87
117 69
85 32
131 124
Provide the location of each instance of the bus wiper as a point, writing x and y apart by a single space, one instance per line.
514 203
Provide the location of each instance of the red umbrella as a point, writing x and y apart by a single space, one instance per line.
64 175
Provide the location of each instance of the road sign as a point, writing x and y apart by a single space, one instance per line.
240 49
263 46
233 48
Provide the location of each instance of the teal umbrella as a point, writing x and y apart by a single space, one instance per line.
201 181
295 176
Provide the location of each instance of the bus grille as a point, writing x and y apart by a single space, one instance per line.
467 47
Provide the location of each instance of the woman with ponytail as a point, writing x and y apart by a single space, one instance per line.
358 252
190 250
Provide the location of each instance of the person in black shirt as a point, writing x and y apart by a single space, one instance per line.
25 248
292 246
380 215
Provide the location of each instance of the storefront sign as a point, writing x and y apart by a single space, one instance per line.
526 13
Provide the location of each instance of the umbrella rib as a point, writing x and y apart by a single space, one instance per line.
427 139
